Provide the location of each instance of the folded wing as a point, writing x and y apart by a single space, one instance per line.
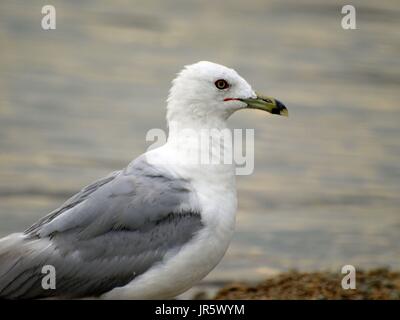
103 237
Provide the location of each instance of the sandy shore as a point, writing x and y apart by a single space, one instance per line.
372 284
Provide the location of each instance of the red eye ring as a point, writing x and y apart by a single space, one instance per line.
221 84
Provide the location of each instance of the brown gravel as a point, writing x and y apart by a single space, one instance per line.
373 284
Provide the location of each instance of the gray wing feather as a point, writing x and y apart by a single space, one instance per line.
72 202
112 231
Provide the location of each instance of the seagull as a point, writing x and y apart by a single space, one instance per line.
153 229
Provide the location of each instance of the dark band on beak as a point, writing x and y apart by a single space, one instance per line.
280 108
268 104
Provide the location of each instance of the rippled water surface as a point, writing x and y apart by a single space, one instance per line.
77 102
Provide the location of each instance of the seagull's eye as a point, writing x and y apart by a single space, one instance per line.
221 84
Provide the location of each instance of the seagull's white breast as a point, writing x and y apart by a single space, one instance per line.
215 195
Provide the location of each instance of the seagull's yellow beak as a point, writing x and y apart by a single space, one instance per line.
267 104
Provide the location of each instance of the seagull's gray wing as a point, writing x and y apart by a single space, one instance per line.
103 237
72 202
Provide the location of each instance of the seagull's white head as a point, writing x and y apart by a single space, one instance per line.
207 92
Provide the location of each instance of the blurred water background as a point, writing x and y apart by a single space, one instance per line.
77 102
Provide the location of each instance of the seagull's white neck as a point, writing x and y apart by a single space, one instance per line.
183 115
178 128
213 182
212 177
197 142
